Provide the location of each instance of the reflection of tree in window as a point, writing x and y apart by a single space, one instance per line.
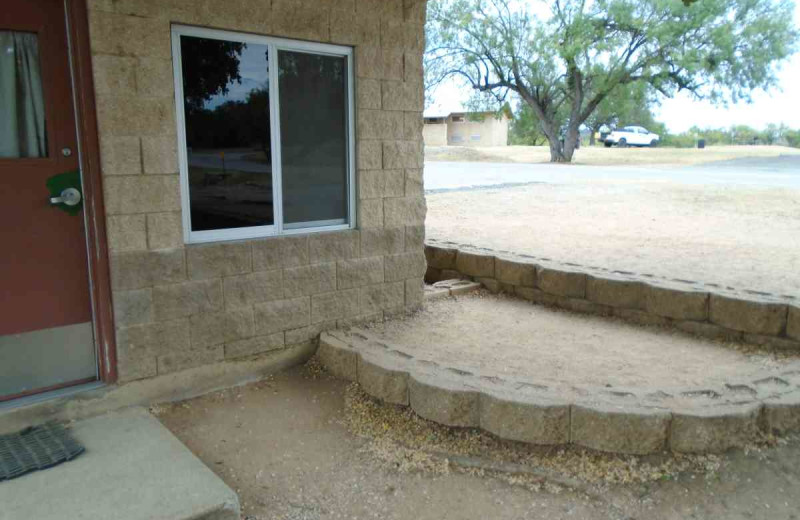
209 66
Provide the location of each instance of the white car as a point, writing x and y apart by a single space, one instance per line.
631 136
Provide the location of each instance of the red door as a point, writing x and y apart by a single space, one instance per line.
45 312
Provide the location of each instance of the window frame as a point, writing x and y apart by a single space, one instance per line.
274 45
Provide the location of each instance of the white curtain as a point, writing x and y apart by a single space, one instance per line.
22 122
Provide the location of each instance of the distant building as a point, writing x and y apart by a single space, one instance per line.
466 129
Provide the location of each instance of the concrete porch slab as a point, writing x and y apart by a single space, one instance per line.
133 468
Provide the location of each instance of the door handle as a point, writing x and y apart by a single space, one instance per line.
68 197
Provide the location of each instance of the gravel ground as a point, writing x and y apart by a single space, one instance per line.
509 338
741 237
302 445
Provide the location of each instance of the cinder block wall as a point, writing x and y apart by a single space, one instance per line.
179 306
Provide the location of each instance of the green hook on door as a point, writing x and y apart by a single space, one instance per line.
65 192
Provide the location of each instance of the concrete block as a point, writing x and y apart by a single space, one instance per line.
280 315
359 271
221 327
184 360
402 95
475 264
185 299
772 342
154 78
247 289
309 334
139 269
164 230
490 284
415 239
393 63
123 35
141 194
280 252
441 400
370 214
708 330
334 305
153 338
133 365
114 74
404 265
126 233
120 155
413 121
399 154
160 154
368 92
301 21
414 11
748 315
407 211
253 346
440 257
381 297
782 413
415 293
394 183
329 247
371 184
370 153
793 324
380 379
677 304
382 241
217 260
637 431
457 286
133 307
338 358
414 183
435 293
380 124
642 317
310 279
616 292
525 418
714 429
515 272
136 116
561 282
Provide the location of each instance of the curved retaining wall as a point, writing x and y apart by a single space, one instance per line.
643 421
701 309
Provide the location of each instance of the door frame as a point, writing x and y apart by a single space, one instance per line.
77 20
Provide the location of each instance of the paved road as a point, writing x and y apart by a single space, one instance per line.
779 172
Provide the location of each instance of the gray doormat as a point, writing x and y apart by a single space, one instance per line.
38 447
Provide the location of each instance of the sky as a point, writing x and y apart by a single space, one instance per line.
779 105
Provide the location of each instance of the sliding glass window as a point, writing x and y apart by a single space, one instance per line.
266 135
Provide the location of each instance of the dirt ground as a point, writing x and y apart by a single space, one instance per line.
510 338
599 155
738 236
303 446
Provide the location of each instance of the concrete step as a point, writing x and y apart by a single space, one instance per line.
133 469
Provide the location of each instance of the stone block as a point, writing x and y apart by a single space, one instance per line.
475 264
641 317
772 342
490 284
368 92
123 35
280 315
636 431
412 121
393 64
359 321
414 38
414 183
164 230
458 287
221 327
404 265
280 252
708 330
185 299
380 124
310 279
371 184
329 247
135 116
338 358
370 155
415 293
153 338
525 418
677 304
436 293
616 292
782 413
120 155
247 289
359 271
394 183
515 272
381 297
253 346
370 214
407 211
382 241
133 307
414 11
415 239
300 20
160 154
141 194
561 282
714 429
402 154
154 78
793 324
309 334
138 269
236 15
334 305
402 95
184 360
114 74
440 257
413 67
126 233
380 379
369 63
135 365
748 315
216 260
444 401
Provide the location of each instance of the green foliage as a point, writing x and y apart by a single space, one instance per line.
525 128
735 135
567 63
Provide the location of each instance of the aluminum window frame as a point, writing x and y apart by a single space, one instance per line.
274 45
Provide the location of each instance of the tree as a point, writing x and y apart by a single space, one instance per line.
626 105
566 62
525 128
